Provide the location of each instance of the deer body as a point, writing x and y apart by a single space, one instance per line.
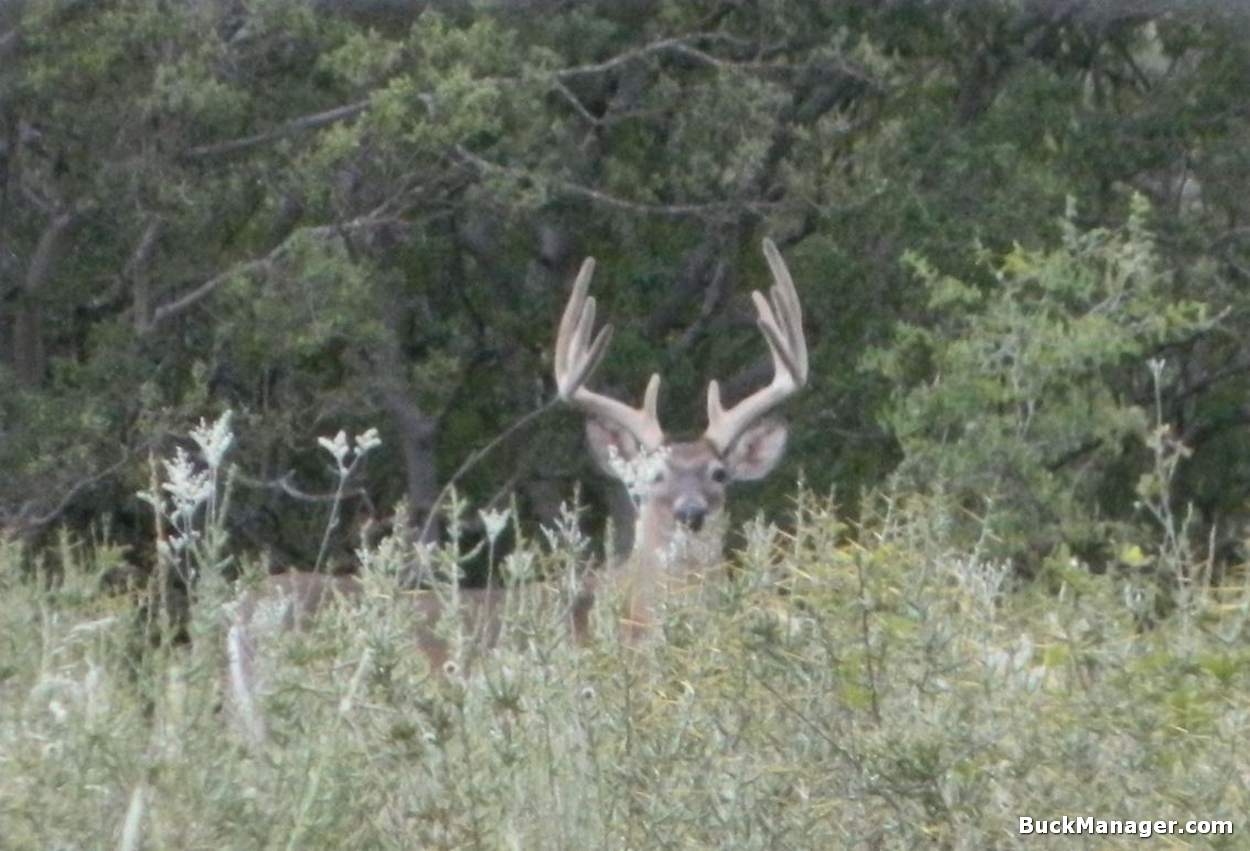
290 601
678 489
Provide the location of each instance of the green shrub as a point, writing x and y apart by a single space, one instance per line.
1025 399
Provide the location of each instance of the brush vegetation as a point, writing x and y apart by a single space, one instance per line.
850 687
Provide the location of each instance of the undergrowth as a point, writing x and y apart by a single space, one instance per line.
867 687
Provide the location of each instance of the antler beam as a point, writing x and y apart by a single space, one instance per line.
780 317
577 356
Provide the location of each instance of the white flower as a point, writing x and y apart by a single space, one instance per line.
495 522
367 441
1157 365
153 499
215 440
337 447
188 487
519 566
641 472
567 530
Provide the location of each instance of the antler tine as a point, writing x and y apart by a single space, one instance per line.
786 303
577 355
780 318
568 333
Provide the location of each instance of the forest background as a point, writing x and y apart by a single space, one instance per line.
1019 230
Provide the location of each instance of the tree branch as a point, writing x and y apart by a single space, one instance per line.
24 523
41 262
290 128
285 485
684 46
620 58
8 45
185 302
189 300
606 199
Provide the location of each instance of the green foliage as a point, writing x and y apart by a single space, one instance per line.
1016 397
304 212
362 59
894 692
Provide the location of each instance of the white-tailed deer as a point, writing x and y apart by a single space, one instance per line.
678 488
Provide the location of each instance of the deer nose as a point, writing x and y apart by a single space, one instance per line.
691 515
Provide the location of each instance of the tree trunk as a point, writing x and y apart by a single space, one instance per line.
29 354
417 431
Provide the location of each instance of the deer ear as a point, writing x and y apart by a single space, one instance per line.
755 454
604 438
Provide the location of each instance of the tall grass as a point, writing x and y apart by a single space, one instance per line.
879 689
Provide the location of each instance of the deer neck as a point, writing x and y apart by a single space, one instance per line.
667 562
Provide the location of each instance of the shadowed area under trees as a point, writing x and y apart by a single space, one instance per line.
333 216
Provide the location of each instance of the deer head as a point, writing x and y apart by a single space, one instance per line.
679 487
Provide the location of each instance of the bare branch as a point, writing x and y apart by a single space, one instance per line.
574 101
477 455
290 128
260 264
24 522
189 300
621 58
143 251
46 250
606 199
713 296
8 45
134 275
40 203
285 484
685 46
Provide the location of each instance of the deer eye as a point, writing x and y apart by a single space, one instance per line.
720 475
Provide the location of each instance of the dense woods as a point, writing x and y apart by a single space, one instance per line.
340 216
